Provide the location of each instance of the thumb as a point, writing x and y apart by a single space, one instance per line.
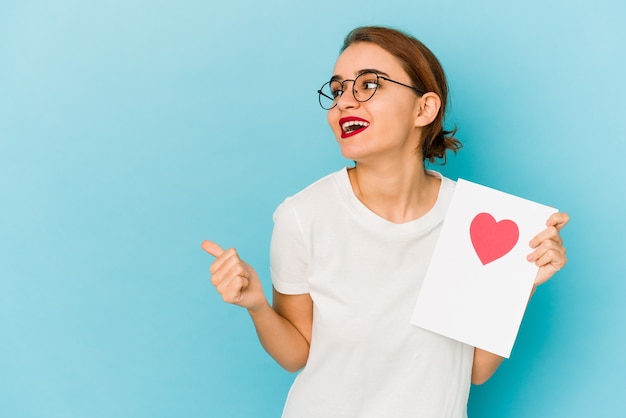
212 248
558 220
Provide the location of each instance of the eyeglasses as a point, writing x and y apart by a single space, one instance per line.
363 89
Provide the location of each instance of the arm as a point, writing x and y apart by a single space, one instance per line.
549 255
289 342
485 365
285 329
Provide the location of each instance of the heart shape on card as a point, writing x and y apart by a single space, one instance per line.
491 239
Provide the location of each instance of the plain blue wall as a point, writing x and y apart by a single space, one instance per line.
132 130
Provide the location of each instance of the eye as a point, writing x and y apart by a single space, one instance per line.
371 85
336 93
368 82
336 89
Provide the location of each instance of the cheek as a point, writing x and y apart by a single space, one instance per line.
332 116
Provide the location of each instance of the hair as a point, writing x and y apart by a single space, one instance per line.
425 72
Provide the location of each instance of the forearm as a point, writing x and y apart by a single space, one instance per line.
485 365
280 338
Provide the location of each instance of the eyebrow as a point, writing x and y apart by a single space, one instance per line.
363 71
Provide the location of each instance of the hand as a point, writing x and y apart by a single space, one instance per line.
549 253
234 279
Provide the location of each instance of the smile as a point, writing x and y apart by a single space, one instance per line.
352 125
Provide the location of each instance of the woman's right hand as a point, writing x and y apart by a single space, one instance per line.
234 279
285 330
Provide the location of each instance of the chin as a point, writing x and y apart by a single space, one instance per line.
351 154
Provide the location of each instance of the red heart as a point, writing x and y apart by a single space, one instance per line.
491 239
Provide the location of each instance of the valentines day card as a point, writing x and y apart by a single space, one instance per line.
479 281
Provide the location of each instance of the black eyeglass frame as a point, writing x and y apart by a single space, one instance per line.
321 93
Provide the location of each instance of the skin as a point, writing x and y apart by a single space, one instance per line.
390 180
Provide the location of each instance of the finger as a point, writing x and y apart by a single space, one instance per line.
232 288
226 265
558 220
552 258
212 248
226 260
551 233
544 247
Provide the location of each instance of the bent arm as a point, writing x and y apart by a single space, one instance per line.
485 365
284 330
549 256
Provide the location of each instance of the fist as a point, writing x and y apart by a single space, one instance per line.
233 278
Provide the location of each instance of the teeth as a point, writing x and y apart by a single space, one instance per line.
353 125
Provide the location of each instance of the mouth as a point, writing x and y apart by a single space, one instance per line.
352 125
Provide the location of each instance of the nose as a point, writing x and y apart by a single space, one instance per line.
347 100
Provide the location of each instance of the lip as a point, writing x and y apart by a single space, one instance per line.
342 121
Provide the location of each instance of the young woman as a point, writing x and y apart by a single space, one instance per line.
349 252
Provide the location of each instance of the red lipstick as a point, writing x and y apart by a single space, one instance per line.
352 125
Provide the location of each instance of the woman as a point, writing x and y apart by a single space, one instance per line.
349 252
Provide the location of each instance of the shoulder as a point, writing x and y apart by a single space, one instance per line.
446 190
445 181
316 194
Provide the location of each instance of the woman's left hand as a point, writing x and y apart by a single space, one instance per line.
549 252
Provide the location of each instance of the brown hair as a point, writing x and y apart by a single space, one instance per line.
426 74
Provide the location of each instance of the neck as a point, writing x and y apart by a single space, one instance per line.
399 193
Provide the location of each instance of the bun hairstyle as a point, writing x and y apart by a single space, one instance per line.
426 74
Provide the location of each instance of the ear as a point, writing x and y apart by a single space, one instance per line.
428 108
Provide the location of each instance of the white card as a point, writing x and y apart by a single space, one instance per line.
479 281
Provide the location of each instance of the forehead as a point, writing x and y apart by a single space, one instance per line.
365 55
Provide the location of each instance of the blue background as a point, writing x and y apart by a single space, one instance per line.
132 130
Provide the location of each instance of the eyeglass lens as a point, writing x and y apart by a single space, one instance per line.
363 88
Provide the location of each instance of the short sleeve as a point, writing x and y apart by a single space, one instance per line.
288 252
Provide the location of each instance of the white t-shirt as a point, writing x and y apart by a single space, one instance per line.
364 274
